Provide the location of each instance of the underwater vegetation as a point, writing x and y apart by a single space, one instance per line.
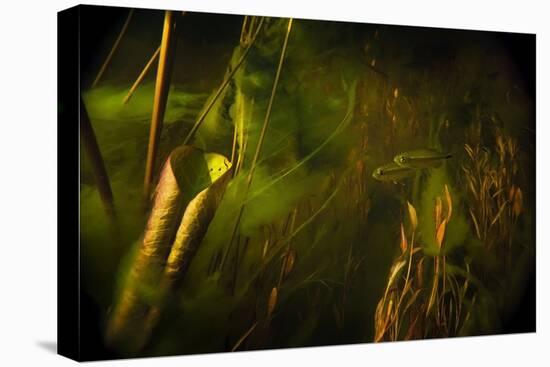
285 182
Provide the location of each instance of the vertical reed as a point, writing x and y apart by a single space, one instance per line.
89 141
141 76
164 71
113 49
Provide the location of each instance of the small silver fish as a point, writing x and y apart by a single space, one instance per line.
392 172
421 158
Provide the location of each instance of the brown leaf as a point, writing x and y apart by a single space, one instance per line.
420 272
438 210
433 292
476 225
412 330
473 188
290 260
403 240
469 151
412 216
272 302
383 320
518 202
264 251
411 300
512 193
394 272
498 214
396 269
449 203
440 234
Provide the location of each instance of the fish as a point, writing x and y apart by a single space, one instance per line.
392 172
421 158
217 165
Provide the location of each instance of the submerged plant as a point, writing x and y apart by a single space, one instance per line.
494 196
298 251
189 191
424 296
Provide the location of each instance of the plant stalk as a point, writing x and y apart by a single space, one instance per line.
141 76
164 71
113 49
260 141
89 141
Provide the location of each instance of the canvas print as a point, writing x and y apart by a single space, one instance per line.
249 182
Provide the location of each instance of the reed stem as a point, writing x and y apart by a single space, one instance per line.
89 141
269 106
141 76
113 49
164 71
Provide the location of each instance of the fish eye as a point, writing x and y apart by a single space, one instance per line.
380 172
402 159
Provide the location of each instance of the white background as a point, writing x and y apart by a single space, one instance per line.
28 183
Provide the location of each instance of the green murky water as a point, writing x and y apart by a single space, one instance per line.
311 257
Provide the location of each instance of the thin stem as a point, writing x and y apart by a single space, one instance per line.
113 49
141 76
408 272
304 160
260 141
99 172
243 338
221 89
244 33
270 105
234 147
276 245
285 259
